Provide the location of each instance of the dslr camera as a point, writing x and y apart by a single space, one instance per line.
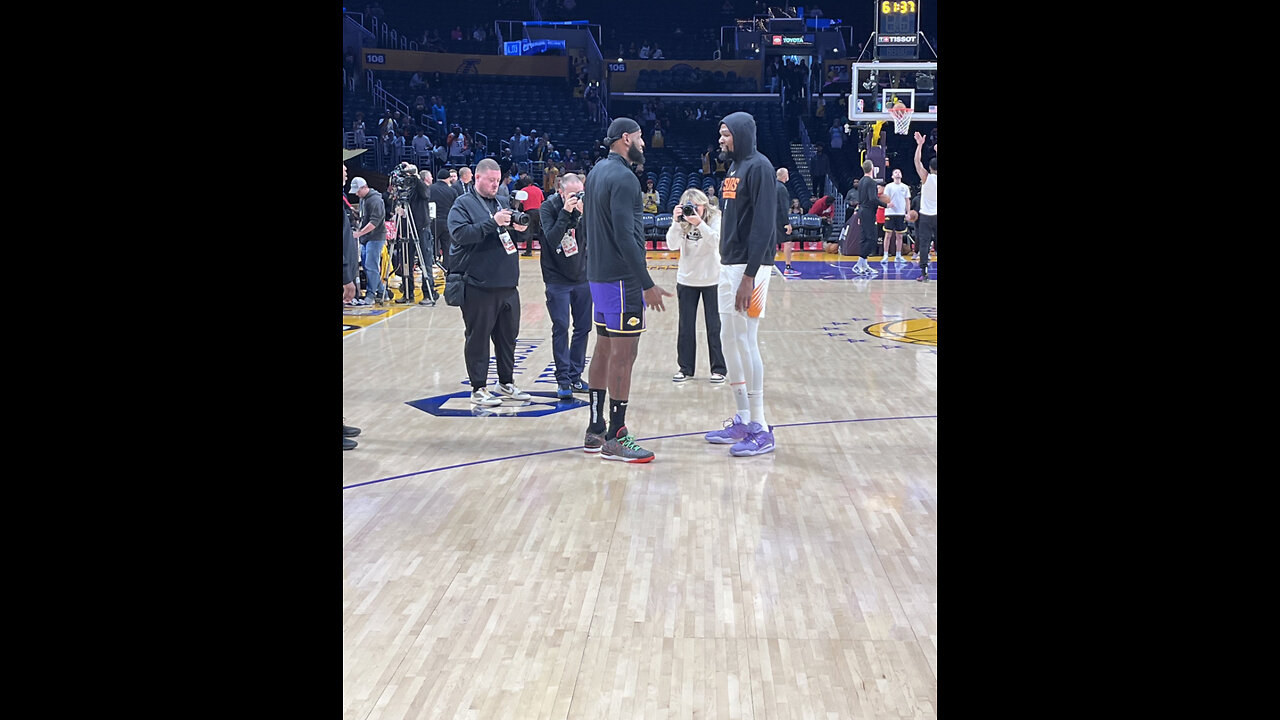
688 209
518 215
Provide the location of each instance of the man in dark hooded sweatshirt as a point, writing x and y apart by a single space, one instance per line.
749 201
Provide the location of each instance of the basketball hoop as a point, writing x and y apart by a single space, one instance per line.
901 118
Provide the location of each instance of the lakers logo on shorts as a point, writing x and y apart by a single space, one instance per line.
634 321
729 190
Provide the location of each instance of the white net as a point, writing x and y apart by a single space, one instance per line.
901 120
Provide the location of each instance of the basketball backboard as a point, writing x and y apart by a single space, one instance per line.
877 84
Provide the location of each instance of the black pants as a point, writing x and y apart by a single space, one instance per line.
926 235
687 340
870 233
490 316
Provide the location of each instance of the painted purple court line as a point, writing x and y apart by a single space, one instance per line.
578 448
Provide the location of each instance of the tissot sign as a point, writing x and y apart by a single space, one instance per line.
895 39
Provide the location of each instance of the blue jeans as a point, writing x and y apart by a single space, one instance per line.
370 259
563 302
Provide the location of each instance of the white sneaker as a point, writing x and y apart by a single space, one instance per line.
485 398
510 390
679 377
900 258
857 270
870 271
717 378
885 260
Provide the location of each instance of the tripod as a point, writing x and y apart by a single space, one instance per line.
410 239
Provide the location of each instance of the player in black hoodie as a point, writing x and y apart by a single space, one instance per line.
620 289
748 237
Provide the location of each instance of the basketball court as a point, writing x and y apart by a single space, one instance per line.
492 569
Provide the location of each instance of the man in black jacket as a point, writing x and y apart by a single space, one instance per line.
869 198
484 253
620 289
443 195
565 275
784 221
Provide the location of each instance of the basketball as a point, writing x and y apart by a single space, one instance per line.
899 106
912 216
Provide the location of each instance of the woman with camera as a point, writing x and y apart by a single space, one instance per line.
695 233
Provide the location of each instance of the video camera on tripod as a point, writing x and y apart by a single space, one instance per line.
402 181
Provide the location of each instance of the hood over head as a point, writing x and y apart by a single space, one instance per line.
742 126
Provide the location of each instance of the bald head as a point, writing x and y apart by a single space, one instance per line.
783 175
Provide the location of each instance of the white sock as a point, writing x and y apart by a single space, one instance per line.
757 408
743 401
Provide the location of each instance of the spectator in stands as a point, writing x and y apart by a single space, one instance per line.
550 177
519 146
357 127
795 207
398 144
418 109
438 112
460 149
349 68
657 52
818 168
421 146
456 34
649 201
477 33
386 127
417 82
542 149
659 139
837 135
591 99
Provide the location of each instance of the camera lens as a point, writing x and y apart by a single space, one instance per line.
689 210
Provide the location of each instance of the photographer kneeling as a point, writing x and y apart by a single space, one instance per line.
484 254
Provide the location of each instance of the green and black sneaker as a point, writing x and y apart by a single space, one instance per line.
624 448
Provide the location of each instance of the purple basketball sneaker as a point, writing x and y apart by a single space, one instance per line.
757 442
734 431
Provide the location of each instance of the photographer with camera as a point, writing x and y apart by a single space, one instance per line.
695 234
413 208
565 276
484 255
